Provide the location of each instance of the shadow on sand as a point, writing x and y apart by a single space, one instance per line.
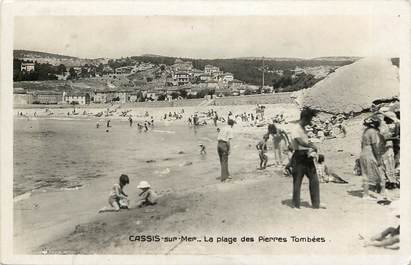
289 203
355 193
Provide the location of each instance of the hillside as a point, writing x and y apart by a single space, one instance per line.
337 58
83 85
36 54
270 58
55 59
285 74
247 70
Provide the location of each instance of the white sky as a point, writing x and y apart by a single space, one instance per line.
209 37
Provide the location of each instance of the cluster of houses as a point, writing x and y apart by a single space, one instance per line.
126 70
109 95
183 72
22 97
179 77
50 97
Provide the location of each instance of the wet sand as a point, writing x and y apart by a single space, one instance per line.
256 203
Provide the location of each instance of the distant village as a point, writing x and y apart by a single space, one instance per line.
175 82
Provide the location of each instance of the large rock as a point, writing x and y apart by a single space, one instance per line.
353 88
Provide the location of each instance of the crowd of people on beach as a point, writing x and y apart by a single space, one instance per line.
378 162
295 151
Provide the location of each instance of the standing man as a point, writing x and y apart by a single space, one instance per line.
223 148
130 120
301 161
215 118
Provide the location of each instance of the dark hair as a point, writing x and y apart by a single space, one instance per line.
372 122
321 158
272 129
230 122
266 136
124 180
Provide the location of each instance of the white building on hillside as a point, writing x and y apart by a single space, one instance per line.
182 78
210 69
228 77
28 67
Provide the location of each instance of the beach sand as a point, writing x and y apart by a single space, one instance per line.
256 203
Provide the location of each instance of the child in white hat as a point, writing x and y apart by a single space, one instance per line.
146 195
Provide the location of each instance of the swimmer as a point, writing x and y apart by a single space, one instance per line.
140 127
202 149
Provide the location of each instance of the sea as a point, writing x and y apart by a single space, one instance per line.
68 154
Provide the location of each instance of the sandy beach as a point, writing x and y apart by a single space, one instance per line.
256 204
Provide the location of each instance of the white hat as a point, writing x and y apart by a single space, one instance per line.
143 184
391 115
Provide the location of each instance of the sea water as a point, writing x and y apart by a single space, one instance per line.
53 154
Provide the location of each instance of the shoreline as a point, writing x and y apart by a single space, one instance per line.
161 126
256 200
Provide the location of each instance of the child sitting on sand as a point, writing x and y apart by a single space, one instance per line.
146 195
324 173
117 199
262 149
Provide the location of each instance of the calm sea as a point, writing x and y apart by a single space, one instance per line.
52 154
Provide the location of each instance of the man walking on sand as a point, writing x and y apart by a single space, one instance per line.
223 148
301 161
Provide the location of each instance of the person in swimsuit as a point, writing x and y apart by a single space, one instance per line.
117 198
262 149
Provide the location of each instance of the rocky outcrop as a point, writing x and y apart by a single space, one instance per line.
354 87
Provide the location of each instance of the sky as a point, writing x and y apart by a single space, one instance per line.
209 36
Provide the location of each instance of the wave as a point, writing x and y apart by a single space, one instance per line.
161 131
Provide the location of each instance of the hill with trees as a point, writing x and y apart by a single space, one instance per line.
281 73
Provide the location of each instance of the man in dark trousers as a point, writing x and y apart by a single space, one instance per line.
302 162
223 148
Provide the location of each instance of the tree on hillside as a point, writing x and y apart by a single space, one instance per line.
174 95
202 93
183 93
73 74
84 72
161 97
61 69
100 69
